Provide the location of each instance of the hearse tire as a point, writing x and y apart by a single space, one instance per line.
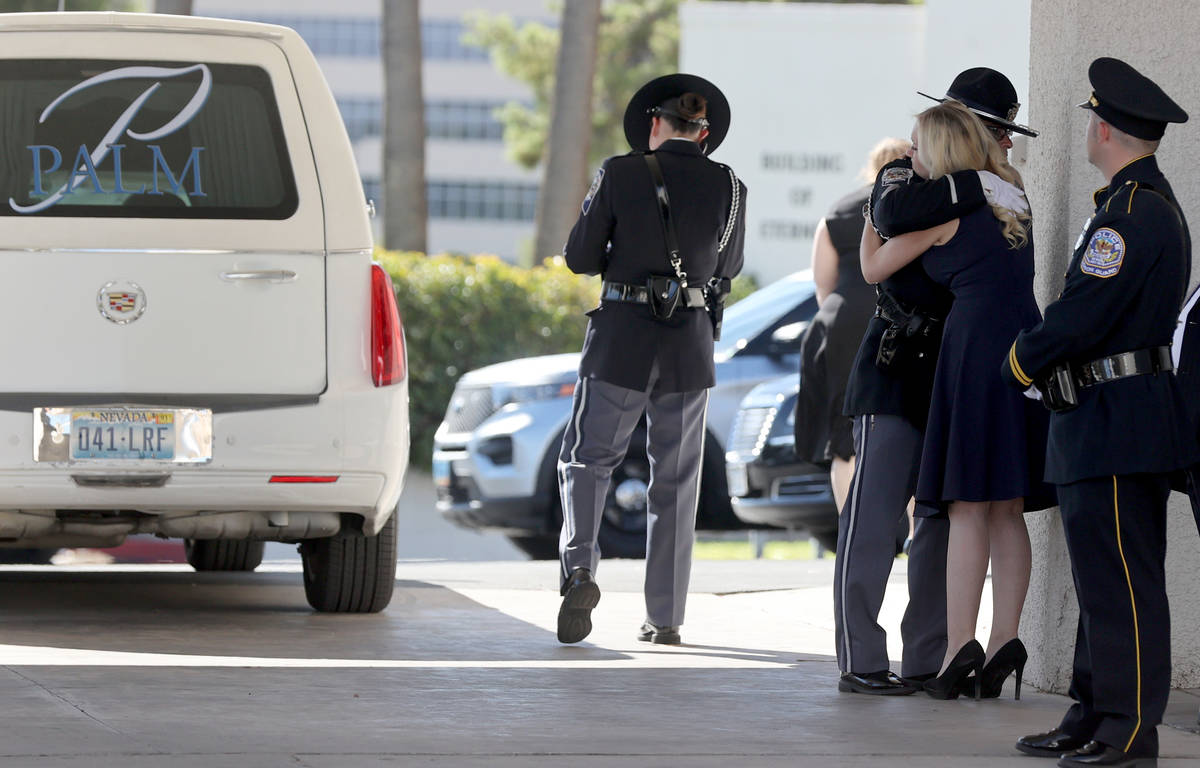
223 555
350 572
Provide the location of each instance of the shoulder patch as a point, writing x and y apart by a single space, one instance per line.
587 201
895 176
1105 252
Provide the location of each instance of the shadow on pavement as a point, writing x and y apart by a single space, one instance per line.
258 615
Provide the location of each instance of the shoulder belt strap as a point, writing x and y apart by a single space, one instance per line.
664 215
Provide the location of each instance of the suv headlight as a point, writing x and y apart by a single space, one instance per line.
502 396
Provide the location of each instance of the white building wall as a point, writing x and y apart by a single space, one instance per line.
813 87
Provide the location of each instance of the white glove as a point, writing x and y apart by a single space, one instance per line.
1000 192
1033 393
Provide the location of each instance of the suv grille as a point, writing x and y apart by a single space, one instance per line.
750 429
469 408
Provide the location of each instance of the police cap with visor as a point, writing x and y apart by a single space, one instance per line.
659 97
989 94
1129 101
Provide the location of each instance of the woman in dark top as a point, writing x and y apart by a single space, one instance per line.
846 302
984 444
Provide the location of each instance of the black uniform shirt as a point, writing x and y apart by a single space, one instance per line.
619 235
902 202
1123 290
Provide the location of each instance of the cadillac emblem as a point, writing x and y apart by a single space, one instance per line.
121 302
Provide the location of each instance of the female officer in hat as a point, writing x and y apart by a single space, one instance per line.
890 404
664 226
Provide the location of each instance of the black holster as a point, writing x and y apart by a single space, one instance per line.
718 289
664 294
910 338
1058 389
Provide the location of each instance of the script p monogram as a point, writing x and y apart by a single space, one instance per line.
85 162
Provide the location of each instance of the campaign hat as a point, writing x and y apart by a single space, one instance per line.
1129 101
989 94
652 96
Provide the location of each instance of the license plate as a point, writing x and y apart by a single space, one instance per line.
176 435
441 473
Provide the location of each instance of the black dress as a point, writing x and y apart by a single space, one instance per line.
984 441
831 342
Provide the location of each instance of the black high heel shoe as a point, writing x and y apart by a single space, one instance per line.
1010 658
948 684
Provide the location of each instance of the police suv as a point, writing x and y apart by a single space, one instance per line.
495 453
195 342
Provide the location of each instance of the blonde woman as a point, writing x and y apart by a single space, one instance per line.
984 447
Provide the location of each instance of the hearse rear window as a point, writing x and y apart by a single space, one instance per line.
179 140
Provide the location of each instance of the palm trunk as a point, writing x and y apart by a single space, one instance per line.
566 174
404 204
176 7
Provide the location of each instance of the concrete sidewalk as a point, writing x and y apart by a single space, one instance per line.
157 667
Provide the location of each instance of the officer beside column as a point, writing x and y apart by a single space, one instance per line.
1102 361
665 227
890 403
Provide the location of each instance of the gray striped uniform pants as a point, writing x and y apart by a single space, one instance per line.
887 460
603 418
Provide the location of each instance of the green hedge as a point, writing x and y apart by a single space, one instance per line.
464 312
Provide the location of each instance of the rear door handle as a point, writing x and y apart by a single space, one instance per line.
269 275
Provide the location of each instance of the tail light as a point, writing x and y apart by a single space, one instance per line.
388 363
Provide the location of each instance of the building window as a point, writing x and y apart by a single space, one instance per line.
494 200
463 120
467 120
442 39
359 36
490 200
363 117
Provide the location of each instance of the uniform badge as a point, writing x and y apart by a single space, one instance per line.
896 176
587 201
1105 252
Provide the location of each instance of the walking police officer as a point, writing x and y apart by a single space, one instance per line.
890 402
1102 361
665 227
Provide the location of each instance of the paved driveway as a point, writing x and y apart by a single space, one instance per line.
158 667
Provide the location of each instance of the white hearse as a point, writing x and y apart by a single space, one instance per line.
194 341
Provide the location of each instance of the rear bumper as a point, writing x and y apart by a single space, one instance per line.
190 489
358 435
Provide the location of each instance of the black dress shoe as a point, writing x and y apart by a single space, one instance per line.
918 681
580 595
1055 743
875 684
652 633
1095 753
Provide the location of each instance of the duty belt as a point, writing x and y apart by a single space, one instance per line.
632 293
1124 365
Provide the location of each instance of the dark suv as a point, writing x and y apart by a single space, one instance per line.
768 484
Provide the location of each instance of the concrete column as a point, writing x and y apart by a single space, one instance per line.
1158 38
